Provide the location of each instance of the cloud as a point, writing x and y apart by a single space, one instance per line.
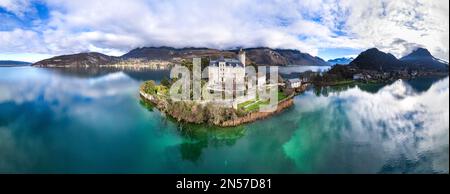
115 27
17 7
379 23
21 40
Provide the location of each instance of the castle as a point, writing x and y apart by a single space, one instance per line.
226 70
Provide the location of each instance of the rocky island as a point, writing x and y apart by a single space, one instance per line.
225 113
208 113
239 111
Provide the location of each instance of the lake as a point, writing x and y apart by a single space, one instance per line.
93 121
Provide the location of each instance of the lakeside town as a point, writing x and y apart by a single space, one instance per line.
228 77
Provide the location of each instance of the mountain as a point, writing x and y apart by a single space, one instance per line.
268 56
77 60
341 61
169 53
295 57
422 59
13 63
374 59
259 56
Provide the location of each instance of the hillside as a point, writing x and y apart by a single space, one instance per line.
422 59
169 53
374 59
77 60
13 63
259 56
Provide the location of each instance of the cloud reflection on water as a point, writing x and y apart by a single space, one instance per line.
394 124
60 88
395 129
50 96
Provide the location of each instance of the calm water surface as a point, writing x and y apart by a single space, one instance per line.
93 121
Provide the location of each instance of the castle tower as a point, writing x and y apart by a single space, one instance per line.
241 56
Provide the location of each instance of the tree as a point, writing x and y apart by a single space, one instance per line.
149 87
205 62
165 82
188 64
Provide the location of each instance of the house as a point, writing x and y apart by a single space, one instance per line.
294 83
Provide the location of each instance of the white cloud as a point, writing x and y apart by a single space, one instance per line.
381 23
18 7
19 39
115 27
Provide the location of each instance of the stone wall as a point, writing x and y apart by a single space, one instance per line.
254 116
215 119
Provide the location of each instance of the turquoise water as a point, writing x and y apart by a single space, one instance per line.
55 121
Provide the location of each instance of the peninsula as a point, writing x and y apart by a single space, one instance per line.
239 110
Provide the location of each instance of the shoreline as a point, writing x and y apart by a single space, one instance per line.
229 122
255 116
350 81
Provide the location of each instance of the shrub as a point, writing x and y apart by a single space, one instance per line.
149 87
165 82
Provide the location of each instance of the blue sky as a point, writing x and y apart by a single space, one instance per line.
32 30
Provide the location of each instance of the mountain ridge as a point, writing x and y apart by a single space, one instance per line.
77 60
422 59
419 59
371 59
255 56
374 59
13 63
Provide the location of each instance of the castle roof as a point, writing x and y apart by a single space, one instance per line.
294 80
228 62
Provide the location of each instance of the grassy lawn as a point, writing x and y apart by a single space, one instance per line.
281 96
244 104
253 105
250 105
